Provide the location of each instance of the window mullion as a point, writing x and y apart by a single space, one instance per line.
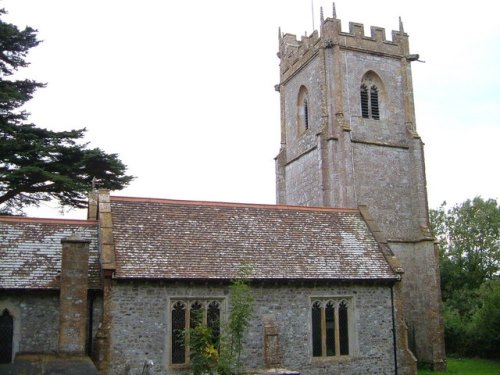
337 331
187 316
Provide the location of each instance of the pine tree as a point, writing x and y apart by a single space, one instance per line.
38 164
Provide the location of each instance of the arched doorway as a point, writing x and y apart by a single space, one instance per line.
6 336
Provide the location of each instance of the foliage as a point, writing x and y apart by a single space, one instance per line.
203 348
241 313
222 355
468 367
37 164
468 236
485 322
469 240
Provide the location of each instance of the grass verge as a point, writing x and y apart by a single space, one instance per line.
468 366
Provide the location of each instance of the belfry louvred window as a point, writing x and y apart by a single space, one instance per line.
369 102
306 114
364 102
374 103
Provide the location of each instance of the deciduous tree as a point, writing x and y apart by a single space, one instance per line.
468 237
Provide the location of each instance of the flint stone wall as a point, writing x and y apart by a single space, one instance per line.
141 317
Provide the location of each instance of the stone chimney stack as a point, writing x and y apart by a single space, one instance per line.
73 295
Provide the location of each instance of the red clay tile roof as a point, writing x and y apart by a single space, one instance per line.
165 239
30 251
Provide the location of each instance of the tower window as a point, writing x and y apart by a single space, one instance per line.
306 114
364 102
374 102
369 102
303 110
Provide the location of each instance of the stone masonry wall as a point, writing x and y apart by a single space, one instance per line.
141 318
420 294
36 319
303 181
383 183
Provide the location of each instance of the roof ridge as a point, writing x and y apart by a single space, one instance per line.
24 219
230 204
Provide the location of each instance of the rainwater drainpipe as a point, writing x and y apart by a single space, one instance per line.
394 333
90 322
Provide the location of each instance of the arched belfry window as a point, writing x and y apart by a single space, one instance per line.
303 110
369 96
6 336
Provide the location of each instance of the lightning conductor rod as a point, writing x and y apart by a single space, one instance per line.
312 12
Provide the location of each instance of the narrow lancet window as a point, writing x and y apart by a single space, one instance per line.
364 101
316 329
6 336
178 326
374 103
306 115
343 329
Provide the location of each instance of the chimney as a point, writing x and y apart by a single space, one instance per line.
73 295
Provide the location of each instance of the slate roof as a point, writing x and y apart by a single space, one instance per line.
30 251
166 239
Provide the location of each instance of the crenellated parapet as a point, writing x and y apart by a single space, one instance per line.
294 53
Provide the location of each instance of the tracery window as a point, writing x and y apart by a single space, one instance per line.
330 327
187 314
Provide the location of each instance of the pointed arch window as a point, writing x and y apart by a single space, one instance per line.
369 102
6 336
330 328
306 114
186 315
303 110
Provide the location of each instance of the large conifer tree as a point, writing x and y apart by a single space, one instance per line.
39 164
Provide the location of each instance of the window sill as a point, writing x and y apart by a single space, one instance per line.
343 358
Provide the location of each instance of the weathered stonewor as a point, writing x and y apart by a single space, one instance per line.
73 295
341 146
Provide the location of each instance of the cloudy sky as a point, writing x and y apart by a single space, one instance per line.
184 91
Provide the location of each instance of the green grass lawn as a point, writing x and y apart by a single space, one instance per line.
468 367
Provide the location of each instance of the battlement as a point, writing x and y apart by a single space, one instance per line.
293 53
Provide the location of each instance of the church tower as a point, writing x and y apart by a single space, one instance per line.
349 139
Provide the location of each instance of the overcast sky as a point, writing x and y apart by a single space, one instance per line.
184 92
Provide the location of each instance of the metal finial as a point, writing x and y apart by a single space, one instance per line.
279 33
401 29
94 180
334 11
321 16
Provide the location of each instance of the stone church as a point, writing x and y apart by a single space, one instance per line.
344 271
